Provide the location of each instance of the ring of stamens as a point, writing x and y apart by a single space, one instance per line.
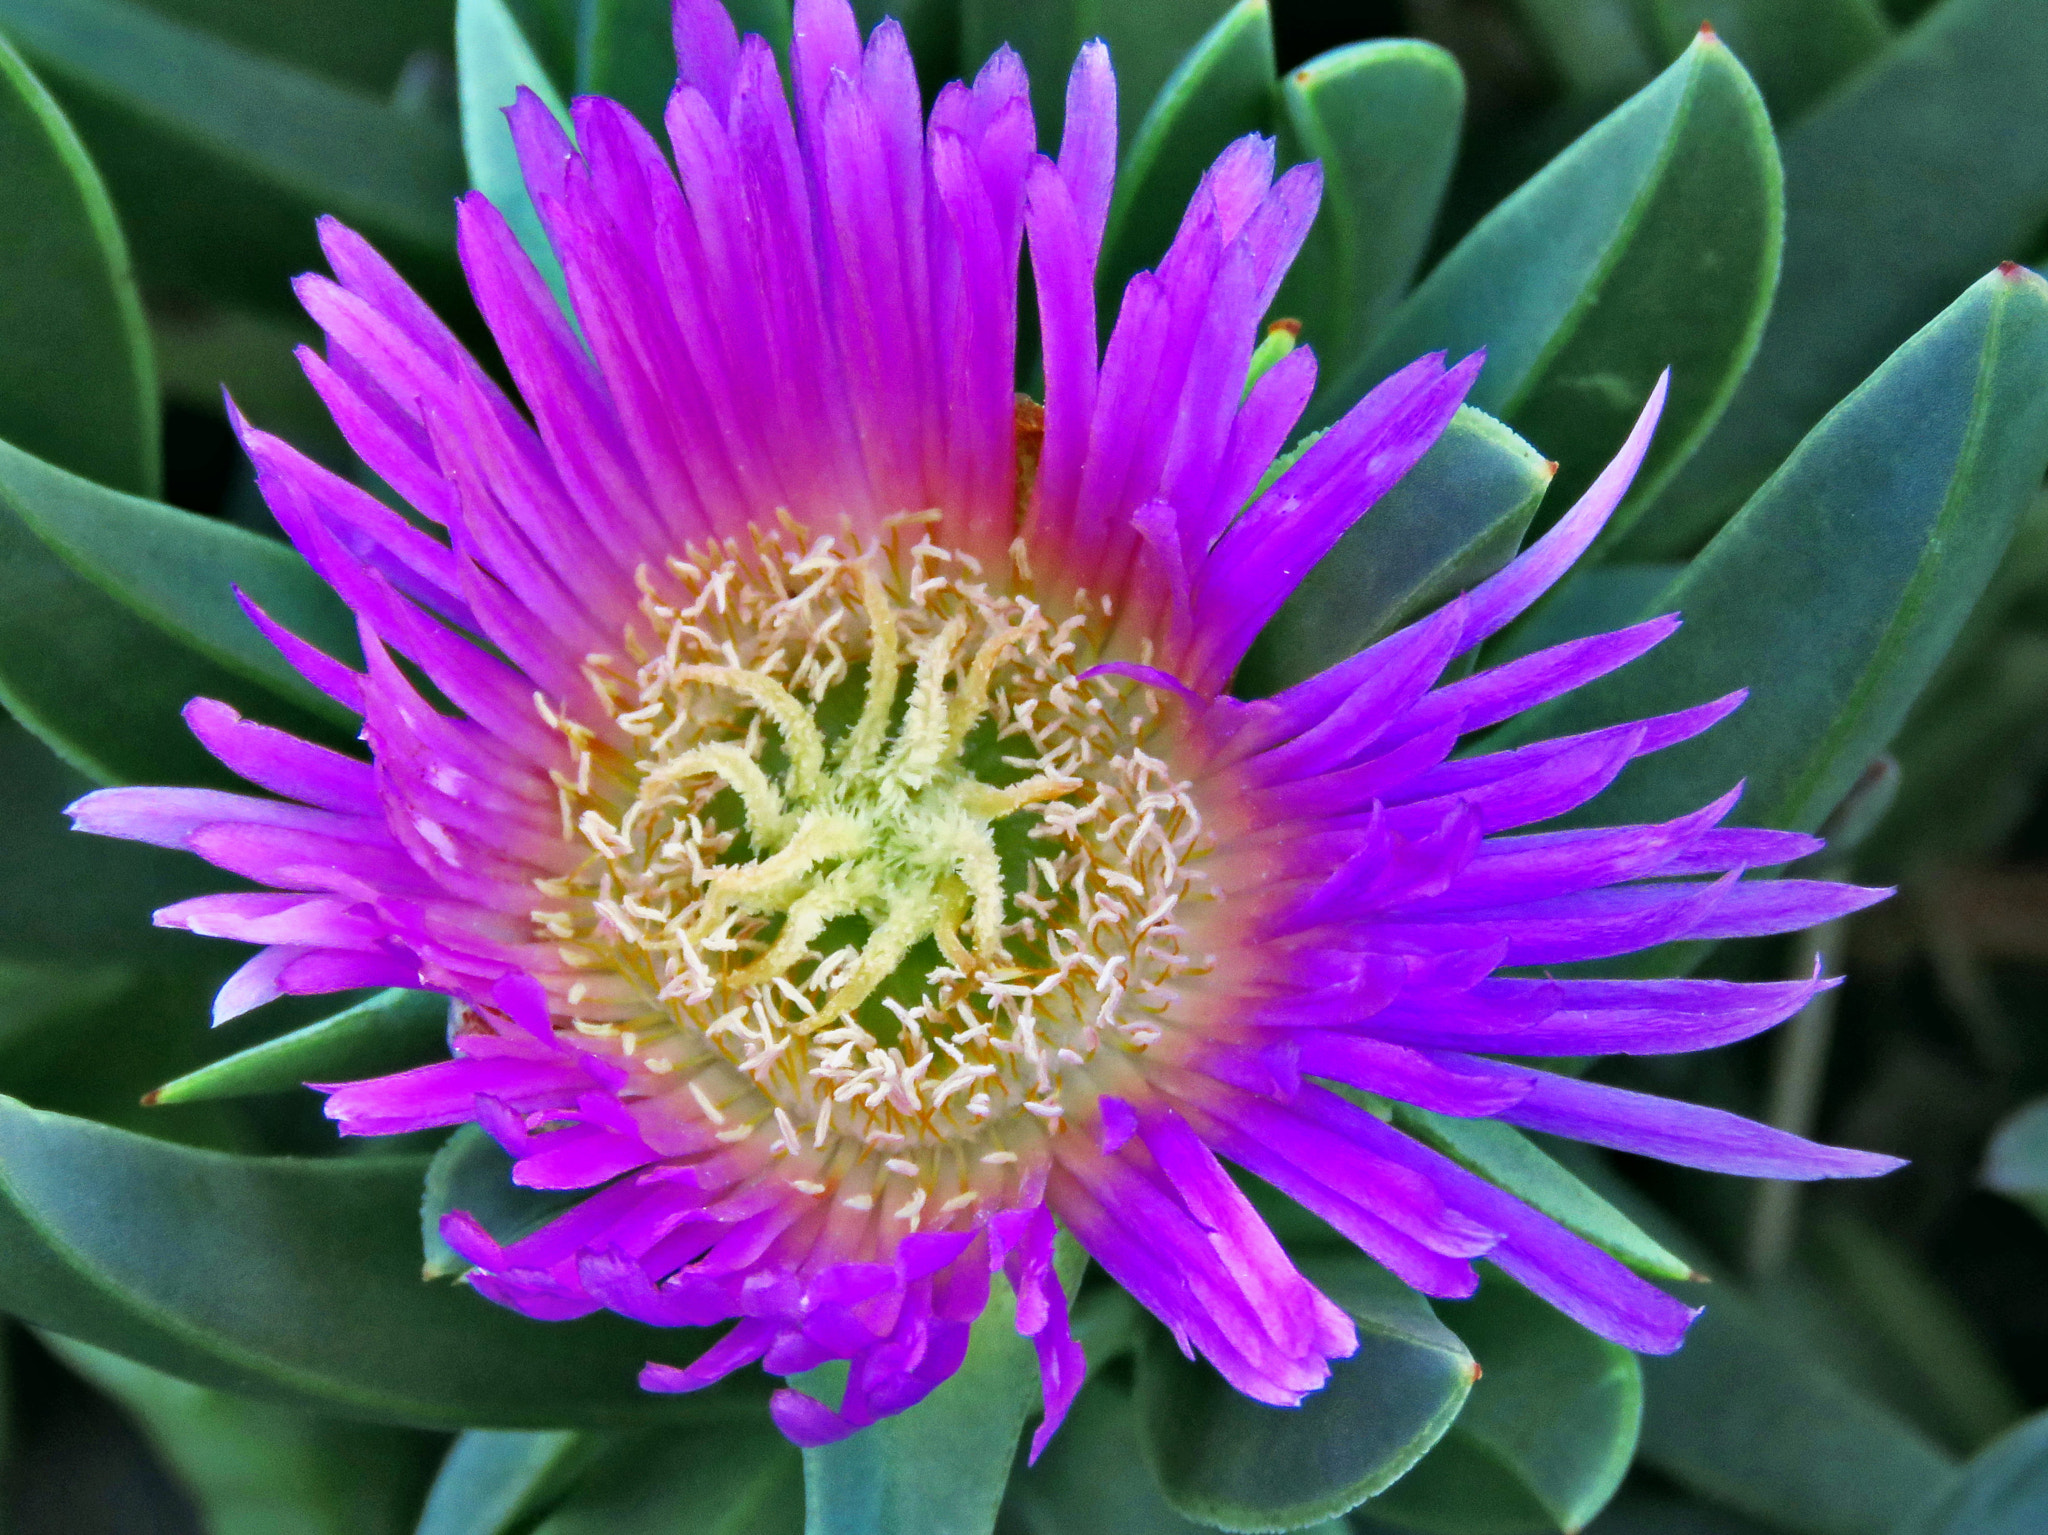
881 865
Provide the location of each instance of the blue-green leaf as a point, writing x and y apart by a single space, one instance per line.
1745 1416
939 1468
2002 1491
1453 519
736 1478
1093 1478
1502 1155
256 1468
1797 50
493 60
1547 1434
1596 46
1226 1460
1651 243
496 1480
178 572
1838 590
219 158
473 1173
94 681
1920 173
390 1032
1221 91
309 1290
2016 1163
1146 44
1382 118
79 384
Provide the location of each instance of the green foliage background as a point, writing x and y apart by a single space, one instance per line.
220 1321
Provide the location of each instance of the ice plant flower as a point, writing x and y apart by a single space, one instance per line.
832 825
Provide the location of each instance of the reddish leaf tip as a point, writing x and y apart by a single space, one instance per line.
151 1098
1285 327
1708 34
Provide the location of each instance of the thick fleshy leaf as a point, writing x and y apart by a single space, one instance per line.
940 1467
1382 118
1093 1478
73 902
219 158
495 1481
1919 174
2002 1491
493 61
1226 1460
389 1032
257 1468
1221 91
626 51
2016 1164
79 387
1838 590
1745 1416
96 683
373 45
309 1290
472 1173
1450 522
179 572
1597 47
1146 45
1797 50
736 1478
1503 1155
1547 1434
1651 243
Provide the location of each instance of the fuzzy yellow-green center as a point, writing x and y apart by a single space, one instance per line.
881 867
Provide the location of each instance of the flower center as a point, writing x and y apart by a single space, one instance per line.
882 867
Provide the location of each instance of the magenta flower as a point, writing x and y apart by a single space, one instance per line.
843 854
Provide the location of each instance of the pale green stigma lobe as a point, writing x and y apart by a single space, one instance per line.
882 870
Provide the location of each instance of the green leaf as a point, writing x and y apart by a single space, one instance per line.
1503 1155
2003 1490
492 61
219 158
74 902
1382 117
79 387
307 1287
368 44
94 682
730 1479
1226 1460
1861 558
940 1467
1092 1479
1546 1436
1146 44
1453 520
1221 91
179 571
1651 243
495 1481
1919 174
255 1468
473 1173
2016 1162
1797 50
627 52
389 1032
1744 1416
1595 46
